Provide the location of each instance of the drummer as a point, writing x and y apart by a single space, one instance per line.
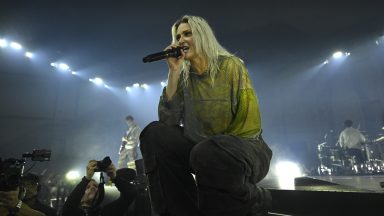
352 140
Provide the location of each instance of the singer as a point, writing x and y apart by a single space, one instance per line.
209 125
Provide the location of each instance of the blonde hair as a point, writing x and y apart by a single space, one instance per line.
206 45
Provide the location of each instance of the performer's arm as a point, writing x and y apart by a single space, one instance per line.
247 120
171 102
171 111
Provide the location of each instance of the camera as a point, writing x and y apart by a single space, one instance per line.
38 155
103 164
11 170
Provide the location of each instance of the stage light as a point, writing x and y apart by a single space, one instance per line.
53 64
347 54
337 55
382 128
144 86
74 73
29 55
16 46
3 43
325 62
380 40
98 81
288 169
163 84
136 85
63 66
286 172
106 86
128 88
72 175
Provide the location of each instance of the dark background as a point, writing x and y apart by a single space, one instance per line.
283 44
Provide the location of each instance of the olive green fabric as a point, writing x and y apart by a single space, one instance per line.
228 106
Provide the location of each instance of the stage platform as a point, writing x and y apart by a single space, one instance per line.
326 195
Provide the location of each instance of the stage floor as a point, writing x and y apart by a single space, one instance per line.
363 184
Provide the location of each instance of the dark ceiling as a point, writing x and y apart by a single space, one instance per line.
109 38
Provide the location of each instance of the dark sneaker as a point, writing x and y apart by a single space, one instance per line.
263 202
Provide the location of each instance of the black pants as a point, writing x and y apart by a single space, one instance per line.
226 169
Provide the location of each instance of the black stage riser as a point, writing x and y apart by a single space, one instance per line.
295 202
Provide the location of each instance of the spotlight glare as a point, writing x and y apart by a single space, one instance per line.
74 73
337 55
3 43
347 54
72 175
163 84
136 85
63 66
288 169
29 55
128 88
325 62
53 64
16 46
144 86
98 81
106 86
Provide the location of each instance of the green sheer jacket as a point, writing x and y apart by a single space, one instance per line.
229 106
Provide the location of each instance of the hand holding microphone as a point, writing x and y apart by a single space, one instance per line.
171 51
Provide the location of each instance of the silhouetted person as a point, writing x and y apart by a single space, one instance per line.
32 187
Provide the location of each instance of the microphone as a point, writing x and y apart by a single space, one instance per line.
173 52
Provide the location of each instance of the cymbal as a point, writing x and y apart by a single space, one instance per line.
379 139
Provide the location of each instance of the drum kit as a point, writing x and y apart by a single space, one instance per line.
335 160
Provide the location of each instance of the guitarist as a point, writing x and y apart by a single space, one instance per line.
129 149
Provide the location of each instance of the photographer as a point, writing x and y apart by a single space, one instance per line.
32 188
10 204
87 196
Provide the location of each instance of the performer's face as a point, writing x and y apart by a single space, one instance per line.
129 123
184 38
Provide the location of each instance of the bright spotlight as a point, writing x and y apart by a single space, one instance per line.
144 86
136 85
106 86
128 88
98 81
325 62
29 55
3 43
288 169
337 55
347 54
74 73
163 84
380 40
16 46
63 66
53 64
72 175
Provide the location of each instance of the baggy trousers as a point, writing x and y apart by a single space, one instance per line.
226 170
